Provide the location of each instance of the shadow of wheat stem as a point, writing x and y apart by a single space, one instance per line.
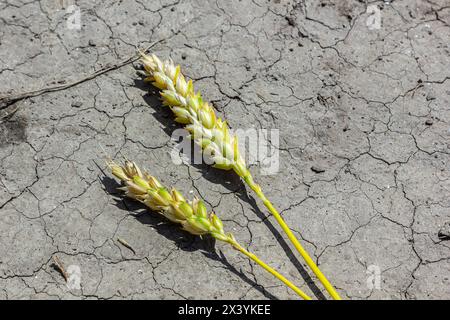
192 215
212 134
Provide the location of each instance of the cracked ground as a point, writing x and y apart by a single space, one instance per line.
364 120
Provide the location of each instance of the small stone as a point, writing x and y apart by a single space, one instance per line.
444 233
430 96
317 169
429 122
91 43
77 104
290 21
138 66
141 22
183 56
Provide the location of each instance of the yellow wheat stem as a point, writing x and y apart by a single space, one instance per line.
192 215
212 134
309 261
271 271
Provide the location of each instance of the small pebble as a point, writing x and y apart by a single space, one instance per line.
290 21
77 104
429 122
138 66
444 233
430 96
91 43
183 56
317 169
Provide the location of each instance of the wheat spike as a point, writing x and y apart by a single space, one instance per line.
213 135
192 215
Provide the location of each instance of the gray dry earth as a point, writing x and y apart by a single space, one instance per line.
369 107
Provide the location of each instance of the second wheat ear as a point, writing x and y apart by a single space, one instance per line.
212 134
192 215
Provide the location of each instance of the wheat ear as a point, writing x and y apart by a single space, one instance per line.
192 215
213 135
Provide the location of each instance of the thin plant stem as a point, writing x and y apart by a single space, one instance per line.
272 271
310 262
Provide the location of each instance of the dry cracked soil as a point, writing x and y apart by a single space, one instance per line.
359 91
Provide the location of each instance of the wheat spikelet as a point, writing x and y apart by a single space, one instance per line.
192 215
207 130
213 135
